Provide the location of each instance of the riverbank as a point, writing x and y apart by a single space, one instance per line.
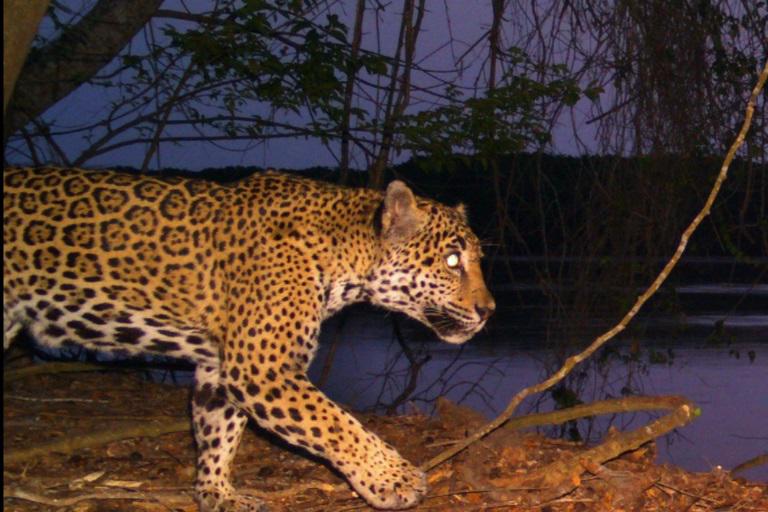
156 472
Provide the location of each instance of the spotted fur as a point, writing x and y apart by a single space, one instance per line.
237 278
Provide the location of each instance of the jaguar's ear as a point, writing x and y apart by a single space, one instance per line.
400 217
462 209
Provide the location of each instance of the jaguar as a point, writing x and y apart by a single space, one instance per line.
237 278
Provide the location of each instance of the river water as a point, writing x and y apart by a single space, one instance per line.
715 355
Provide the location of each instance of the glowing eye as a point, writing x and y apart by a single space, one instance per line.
452 260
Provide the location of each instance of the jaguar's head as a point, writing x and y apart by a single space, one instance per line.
429 266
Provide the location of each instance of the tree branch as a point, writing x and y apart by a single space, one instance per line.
562 476
572 361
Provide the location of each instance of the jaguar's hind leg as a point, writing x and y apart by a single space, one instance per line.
11 329
218 427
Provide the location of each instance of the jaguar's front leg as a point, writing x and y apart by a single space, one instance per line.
274 316
286 403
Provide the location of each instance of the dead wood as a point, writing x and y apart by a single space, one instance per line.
71 443
68 501
614 406
563 475
176 498
760 460
48 368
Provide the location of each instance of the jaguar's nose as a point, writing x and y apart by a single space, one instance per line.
486 309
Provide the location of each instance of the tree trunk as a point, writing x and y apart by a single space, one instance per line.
76 56
349 90
20 21
399 94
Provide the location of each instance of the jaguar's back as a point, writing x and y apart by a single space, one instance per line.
107 259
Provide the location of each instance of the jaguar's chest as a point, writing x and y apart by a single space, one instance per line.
343 293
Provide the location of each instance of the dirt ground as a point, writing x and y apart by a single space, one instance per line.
156 472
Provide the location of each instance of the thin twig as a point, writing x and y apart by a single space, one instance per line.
38 399
51 368
23 494
697 497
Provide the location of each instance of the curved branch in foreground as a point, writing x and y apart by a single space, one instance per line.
641 300
562 476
